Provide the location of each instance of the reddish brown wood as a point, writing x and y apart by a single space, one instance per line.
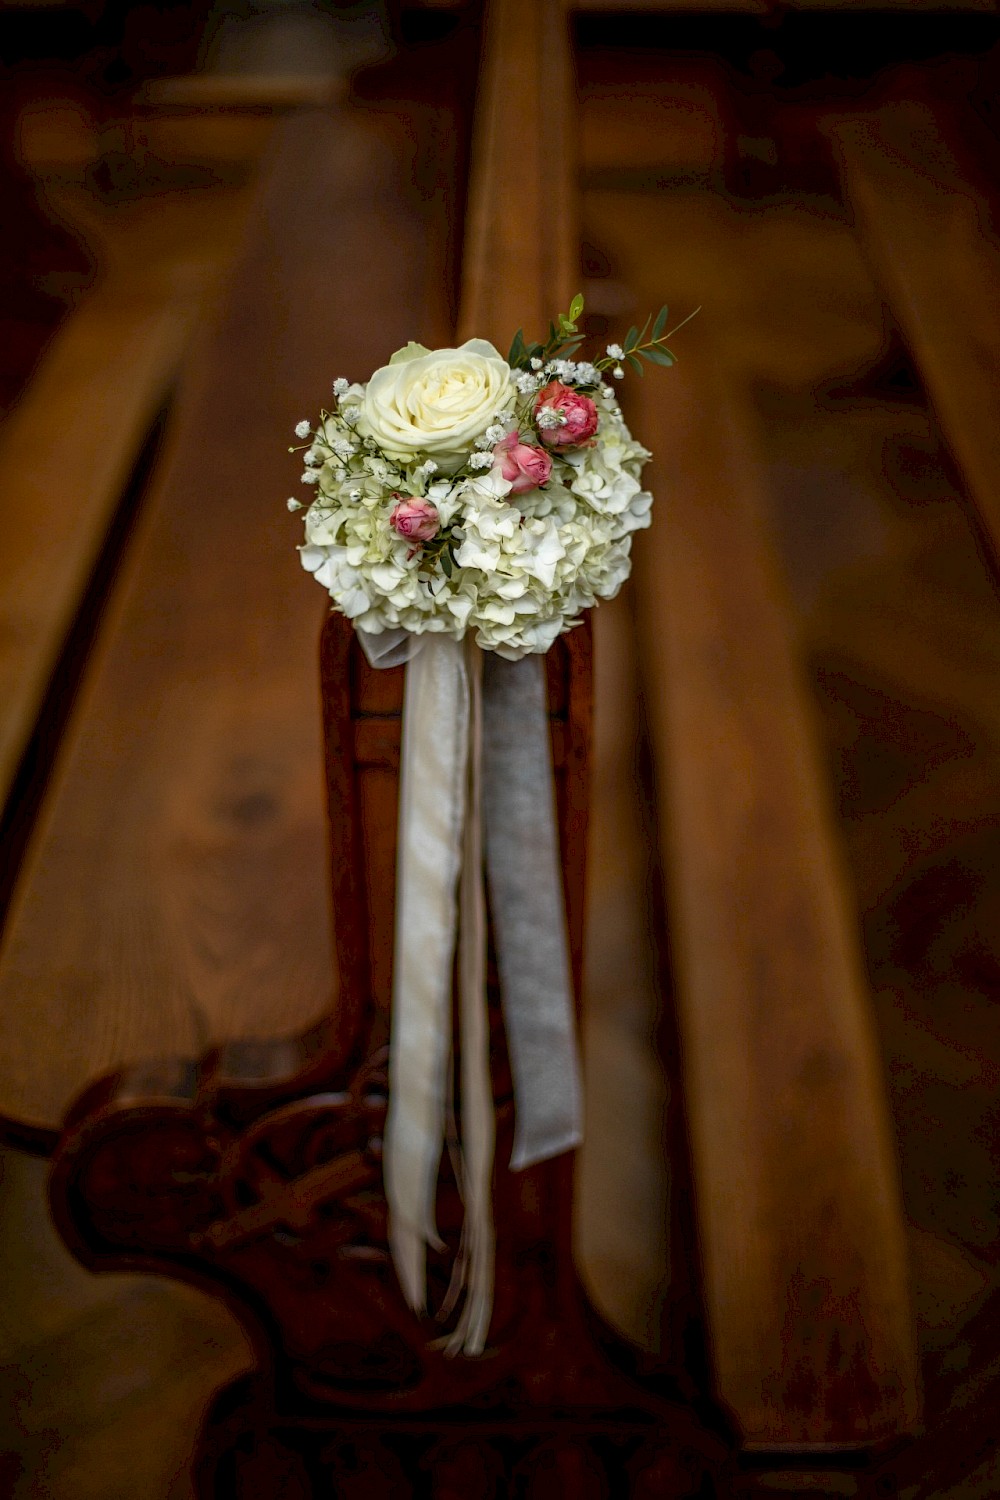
257 1172
269 1190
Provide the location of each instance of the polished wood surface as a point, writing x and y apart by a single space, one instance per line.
894 629
805 1260
521 261
65 455
185 792
68 449
927 225
265 1179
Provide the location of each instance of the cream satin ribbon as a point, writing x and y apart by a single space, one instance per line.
475 759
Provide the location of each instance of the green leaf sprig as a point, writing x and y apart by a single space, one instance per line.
564 339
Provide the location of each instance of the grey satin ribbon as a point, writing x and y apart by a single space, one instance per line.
525 880
475 757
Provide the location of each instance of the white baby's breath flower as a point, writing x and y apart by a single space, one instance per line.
340 386
547 418
618 372
302 429
536 364
294 504
310 476
481 460
615 351
527 384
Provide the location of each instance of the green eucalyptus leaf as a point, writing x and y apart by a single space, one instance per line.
635 362
661 322
631 339
446 563
660 355
516 354
576 307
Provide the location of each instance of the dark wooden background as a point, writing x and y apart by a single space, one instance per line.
821 179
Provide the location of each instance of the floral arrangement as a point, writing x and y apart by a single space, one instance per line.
461 491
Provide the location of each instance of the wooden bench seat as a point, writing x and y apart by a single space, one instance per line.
174 892
927 228
182 854
66 453
797 1186
69 448
795 1175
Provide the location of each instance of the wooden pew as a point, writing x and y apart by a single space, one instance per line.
210 912
796 1183
927 228
69 450
184 796
800 1219
66 453
213 832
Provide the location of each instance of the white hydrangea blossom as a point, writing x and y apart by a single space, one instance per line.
521 568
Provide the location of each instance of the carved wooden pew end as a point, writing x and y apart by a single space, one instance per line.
272 1196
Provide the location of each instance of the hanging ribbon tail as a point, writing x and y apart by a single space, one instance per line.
475 762
433 785
478 1127
526 894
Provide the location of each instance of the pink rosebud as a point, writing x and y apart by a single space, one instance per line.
525 466
416 520
578 416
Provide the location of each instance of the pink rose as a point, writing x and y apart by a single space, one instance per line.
578 413
526 467
416 520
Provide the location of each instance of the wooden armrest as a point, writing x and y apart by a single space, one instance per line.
796 1184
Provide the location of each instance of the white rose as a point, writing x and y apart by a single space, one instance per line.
436 402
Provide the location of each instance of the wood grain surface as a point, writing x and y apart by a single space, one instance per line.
796 1180
928 228
175 890
521 260
65 455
